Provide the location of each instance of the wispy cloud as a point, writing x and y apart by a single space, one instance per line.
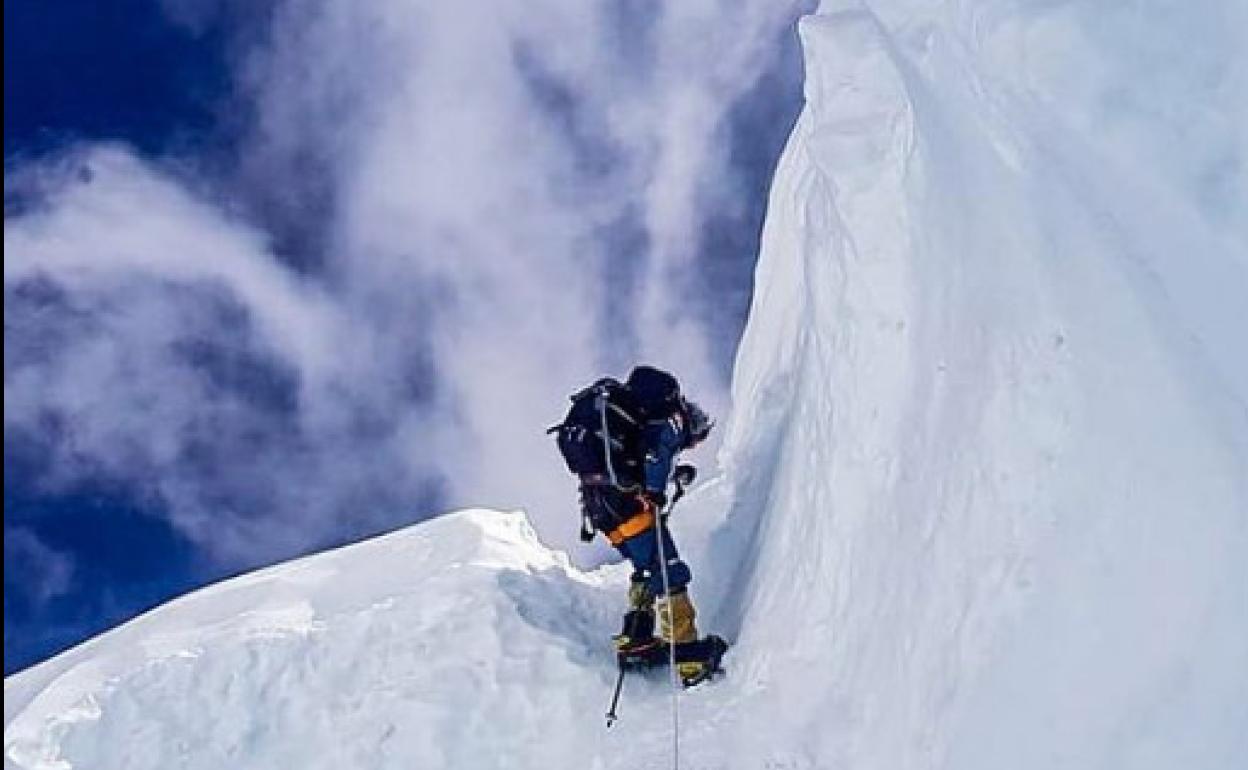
47 572
502 203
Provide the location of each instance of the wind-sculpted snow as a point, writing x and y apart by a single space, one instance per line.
438 643
988 446
983 499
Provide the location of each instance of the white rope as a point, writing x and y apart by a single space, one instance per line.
606 437
671 645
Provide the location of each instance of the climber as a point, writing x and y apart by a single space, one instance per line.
646 422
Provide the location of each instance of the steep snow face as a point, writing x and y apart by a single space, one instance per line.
988 450
983 495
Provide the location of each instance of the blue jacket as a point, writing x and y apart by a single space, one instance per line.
664 440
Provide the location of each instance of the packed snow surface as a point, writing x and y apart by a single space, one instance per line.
982 500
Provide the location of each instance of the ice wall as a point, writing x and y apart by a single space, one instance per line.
988 450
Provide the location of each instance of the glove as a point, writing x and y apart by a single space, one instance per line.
685 474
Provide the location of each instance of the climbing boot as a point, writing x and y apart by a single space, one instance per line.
638 629
698 661
636 640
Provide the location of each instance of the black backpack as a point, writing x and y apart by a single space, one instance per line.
583 443
623 410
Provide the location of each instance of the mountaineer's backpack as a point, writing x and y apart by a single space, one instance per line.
602 433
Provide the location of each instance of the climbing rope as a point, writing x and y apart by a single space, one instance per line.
671 642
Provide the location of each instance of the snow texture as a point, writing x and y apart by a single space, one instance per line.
982 500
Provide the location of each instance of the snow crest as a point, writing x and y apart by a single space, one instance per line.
406 646
989 430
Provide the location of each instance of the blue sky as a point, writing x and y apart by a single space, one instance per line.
271 269
76 70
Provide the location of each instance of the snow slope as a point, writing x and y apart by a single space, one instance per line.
453 643
983 498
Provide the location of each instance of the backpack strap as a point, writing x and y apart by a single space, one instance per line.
606 435
621 411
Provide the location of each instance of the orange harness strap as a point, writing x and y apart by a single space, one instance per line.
634 525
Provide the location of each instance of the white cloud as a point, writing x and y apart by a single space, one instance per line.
42 572
481 163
